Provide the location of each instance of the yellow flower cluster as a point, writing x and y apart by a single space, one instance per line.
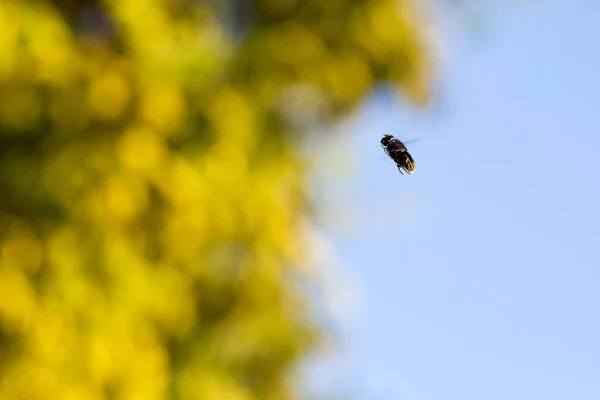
151 189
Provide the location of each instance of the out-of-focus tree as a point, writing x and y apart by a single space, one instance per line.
151 194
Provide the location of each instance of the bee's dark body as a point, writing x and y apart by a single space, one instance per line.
398 152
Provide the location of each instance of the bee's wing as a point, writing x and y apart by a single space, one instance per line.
412 140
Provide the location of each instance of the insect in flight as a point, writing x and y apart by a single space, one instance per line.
398 152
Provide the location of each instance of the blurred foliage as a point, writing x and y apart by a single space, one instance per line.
151 191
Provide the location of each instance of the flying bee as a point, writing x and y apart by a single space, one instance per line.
398 152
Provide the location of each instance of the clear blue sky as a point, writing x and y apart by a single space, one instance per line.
480 273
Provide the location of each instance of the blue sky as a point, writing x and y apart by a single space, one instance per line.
479 274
